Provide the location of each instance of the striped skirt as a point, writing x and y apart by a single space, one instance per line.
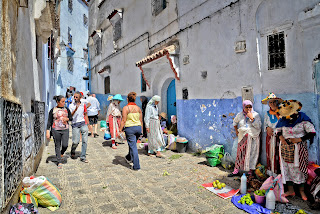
155 136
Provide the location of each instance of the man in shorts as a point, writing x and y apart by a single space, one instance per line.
93 113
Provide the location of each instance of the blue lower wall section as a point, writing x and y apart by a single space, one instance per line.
205 122
104 103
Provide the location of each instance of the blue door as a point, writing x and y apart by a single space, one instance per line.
171 100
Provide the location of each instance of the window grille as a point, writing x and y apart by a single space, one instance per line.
158 6
117 30
10 149
38 108
143 84
107 85
276 51
85 20
70 6
70 63
69 37
185 94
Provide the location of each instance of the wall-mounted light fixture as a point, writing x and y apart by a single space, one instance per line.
23 3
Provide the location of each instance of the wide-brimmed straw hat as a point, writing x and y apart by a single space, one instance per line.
271 96
164 115
289 108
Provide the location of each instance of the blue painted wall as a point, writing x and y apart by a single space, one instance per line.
79 32
205 122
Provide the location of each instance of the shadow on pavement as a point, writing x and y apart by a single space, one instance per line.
119 160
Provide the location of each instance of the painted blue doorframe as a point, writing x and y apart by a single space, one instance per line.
171 100
317 77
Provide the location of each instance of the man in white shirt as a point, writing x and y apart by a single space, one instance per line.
79 125
93 112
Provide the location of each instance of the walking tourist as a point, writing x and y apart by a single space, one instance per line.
247 125
113 118
79 126
58 123
93 113
272 140
132 122
155 136
294 129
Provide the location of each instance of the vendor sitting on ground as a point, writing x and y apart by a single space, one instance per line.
163 120
172 128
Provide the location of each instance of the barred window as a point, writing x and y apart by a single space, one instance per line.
85 20
158 6
276 51
70 6
70 63
117 30
69 37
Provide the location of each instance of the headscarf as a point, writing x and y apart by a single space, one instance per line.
173 119
153 100
144 101
300 117
244 104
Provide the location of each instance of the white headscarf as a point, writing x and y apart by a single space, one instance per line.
154 99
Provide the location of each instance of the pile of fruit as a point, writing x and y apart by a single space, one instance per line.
260 192
217 184
246 199
301 212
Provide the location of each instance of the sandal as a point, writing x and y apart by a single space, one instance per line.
291 194
114 147
160 156
60 166
84 160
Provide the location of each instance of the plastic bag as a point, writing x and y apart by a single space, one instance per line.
107 135
172 142
103 124
32 183
27 198
215 151
23 208
277 186
227 161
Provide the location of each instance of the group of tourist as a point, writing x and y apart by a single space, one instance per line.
287 131
83 114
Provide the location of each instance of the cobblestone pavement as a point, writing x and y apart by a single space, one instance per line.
107 184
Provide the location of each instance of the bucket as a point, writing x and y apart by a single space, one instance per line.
182 146
259 199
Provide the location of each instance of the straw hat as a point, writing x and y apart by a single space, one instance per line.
164 115
271 96
110 97
289 108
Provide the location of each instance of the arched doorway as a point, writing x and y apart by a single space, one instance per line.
171 100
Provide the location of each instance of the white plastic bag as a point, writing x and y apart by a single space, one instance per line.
227 161
32 183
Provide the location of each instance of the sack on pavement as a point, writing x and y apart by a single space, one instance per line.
47 195
27 198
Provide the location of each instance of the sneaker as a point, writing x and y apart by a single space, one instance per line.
89 134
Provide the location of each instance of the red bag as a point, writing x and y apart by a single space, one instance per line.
311 174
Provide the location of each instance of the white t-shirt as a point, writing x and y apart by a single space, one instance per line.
95 106
79 114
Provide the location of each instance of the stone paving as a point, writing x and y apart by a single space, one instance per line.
107 184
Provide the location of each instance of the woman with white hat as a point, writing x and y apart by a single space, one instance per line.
114 118
272 140
155 136
294 129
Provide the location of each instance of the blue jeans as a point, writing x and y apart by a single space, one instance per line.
132 134
76 139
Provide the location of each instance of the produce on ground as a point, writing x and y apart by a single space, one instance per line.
246 199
